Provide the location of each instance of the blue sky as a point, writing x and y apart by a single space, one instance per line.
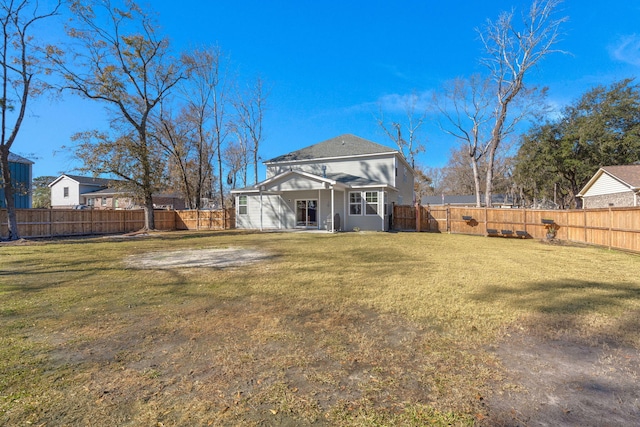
330 65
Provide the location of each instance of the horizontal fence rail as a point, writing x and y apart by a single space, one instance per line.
617 228
33 223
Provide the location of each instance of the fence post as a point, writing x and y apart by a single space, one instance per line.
610 227
486 221
418 217
448 213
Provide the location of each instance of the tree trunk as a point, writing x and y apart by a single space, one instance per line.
149 217
8 195
476 180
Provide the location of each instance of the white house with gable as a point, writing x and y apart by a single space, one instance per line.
344 183
611 186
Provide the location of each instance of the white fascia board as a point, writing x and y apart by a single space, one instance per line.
58 179
588 185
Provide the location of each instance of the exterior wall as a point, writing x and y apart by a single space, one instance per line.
271 207
615 199
57 193
606 184
377 222
375 168
21 178
279 211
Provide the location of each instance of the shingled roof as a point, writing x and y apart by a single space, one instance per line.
629 174
341 146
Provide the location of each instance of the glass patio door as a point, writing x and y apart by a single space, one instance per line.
306 213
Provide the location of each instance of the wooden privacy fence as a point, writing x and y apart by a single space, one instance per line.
617 228
206 220
71 222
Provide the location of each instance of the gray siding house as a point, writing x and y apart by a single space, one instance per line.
344 183
617 186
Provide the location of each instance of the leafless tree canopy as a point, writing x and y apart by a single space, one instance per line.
20 63
119 59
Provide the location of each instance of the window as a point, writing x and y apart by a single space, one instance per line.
91 201
355 203
372 202
104 201
242 205
66 191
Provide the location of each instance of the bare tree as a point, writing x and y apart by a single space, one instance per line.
465 105
175 136
235 156
250 113
411 146
120 60
20 62
512 51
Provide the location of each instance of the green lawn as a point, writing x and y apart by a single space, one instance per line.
336 329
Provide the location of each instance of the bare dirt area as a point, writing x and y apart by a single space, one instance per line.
212 258
565 381
244 362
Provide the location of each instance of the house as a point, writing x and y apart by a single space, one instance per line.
343 183
73 191
612 186
21 175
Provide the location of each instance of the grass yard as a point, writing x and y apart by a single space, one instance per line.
318 329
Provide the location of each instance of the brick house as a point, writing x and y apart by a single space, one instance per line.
612 186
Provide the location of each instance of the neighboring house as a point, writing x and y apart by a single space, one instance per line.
617 186
344 183
73 191
21 175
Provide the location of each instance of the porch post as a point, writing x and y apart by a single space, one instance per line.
333 215
381 205
319 213
261 209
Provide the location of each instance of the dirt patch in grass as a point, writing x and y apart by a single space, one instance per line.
251 362
566 380
212 258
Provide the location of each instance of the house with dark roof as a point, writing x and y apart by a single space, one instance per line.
617 186
343 183
74 191
21 175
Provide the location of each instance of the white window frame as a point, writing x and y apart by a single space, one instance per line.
65 192
355 204
243 202
374 205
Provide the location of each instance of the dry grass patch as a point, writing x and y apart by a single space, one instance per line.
344 329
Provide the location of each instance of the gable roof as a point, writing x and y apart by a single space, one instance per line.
14 158
86 180
628 175
346 145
